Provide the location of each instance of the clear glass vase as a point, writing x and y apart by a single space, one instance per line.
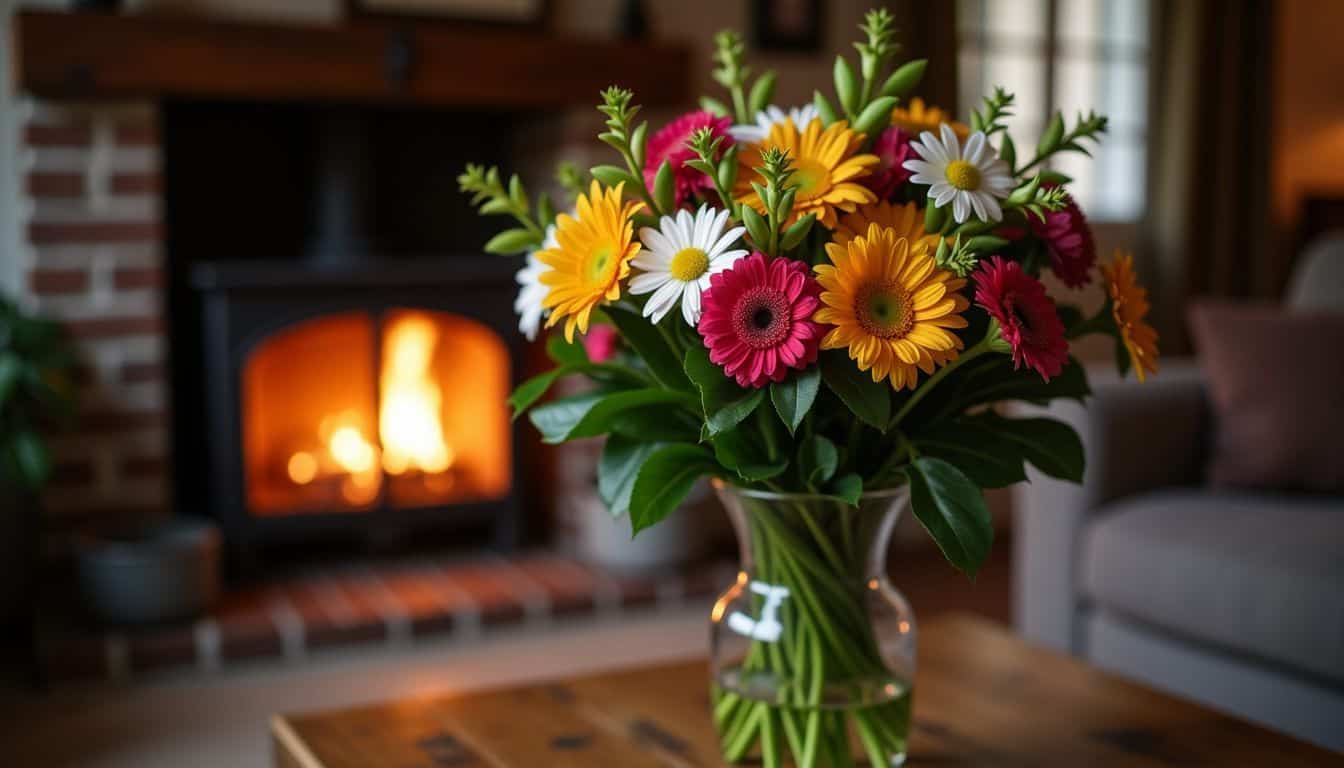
813 649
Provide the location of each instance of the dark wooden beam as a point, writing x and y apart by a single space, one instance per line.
94 56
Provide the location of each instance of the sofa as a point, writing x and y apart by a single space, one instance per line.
1232 598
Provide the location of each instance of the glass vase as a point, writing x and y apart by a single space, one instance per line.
812 650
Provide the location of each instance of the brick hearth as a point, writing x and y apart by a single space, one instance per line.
391 605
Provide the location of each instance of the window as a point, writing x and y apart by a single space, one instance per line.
1070 55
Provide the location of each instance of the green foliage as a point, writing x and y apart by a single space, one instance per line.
742 451
990 118
37 394
621 460
656 350
991 449
490 195
869 400
627 139
952 509
817 461
794 396
594 413
664 480
723 403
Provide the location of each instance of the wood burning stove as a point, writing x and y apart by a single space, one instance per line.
359 399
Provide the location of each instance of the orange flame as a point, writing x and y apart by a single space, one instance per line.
409 423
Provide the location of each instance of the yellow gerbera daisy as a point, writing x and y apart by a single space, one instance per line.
907 219
591 256
825 169
1129 306
890 305
917 116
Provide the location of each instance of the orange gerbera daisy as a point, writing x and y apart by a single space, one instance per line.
826 169
906 218
1129 306
916 116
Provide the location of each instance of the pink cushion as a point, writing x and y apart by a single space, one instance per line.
1276 380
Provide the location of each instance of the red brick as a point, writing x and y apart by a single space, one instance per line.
78 134
132 373
245 627
102 422
139 467
136 134
321 629
127 279
54 281
72 473
492 593
570 588
134 183
53 184
52 233
112 327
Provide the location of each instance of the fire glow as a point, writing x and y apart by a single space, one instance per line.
410 424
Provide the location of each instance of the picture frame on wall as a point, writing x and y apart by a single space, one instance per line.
532 14
788 26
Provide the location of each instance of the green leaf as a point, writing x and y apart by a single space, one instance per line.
875 116
1056 178
869 400
592 414
795 234
1070 315
725 404
728 169
30 458
817 461
512 241
756 227
665 188
566 352
846 85
639 139
824 108
664 480
611 175
714 105
1054 131
11 371
1008 151
657 423
978 451
847 487
986 243
905 78
743 452
952 509
1051 446
761 93
643 337
793 397
935 217
531 391
616 470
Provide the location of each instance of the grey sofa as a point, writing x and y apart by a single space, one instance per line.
1231 598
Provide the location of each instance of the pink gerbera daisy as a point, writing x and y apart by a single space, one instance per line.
1069 240
1026 316
757 319
892 149
669 143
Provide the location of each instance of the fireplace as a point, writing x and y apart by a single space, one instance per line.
363 402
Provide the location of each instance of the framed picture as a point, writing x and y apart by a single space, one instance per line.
517 13
793 26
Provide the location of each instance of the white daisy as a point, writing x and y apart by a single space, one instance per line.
971 179
679 257
531 292
768 118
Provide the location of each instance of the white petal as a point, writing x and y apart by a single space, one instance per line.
729 237
942 192
657 242
977 202
960 210
651 262
992 208
721 262
649 281
690 304
685 227
662 300
703 220
975 147
922 168
950 141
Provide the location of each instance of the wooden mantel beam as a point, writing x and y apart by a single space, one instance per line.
95 56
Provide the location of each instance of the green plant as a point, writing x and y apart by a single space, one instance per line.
36 394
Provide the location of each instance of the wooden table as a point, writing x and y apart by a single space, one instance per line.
982 697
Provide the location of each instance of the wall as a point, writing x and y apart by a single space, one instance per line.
1308 115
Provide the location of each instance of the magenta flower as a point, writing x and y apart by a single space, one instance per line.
892 149
757 320
1069 241
669 143
600 342
1026 316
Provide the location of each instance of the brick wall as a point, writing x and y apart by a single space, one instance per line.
91 256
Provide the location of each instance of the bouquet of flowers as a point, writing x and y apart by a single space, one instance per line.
824 302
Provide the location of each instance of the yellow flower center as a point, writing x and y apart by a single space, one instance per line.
962 175
812 178
600 262
689 264
883 310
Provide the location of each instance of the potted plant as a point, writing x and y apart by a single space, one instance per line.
36 394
